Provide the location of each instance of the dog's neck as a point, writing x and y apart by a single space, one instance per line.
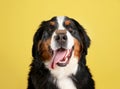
62 74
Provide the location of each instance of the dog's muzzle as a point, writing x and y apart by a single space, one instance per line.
62 54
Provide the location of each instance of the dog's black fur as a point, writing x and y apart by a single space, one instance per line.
40 77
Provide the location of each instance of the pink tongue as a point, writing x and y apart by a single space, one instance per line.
58 56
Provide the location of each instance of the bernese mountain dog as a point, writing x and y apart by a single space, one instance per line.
59 56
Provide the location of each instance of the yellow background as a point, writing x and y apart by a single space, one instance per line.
19 20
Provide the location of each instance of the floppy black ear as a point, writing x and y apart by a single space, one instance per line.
37 37
84 39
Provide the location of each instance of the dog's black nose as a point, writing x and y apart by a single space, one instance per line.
61 36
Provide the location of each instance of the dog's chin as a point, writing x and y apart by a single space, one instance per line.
60 57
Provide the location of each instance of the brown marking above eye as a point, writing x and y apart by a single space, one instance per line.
67 22
52 23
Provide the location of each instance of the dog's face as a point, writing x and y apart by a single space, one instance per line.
59 40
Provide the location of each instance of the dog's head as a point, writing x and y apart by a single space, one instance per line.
59 40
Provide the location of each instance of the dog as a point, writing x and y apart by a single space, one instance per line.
59 56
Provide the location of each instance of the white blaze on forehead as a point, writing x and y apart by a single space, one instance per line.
60 20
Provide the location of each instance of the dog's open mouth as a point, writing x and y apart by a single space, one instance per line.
61 57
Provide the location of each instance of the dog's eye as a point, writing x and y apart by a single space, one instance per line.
52 25
67 24
71 30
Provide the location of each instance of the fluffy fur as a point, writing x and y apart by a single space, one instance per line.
73 75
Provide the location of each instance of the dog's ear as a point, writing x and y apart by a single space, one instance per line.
85 40
37 38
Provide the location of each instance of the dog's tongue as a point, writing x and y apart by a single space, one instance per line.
59 55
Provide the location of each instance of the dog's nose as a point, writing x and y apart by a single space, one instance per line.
61 36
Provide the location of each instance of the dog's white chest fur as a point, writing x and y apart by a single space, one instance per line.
66 83
62 74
